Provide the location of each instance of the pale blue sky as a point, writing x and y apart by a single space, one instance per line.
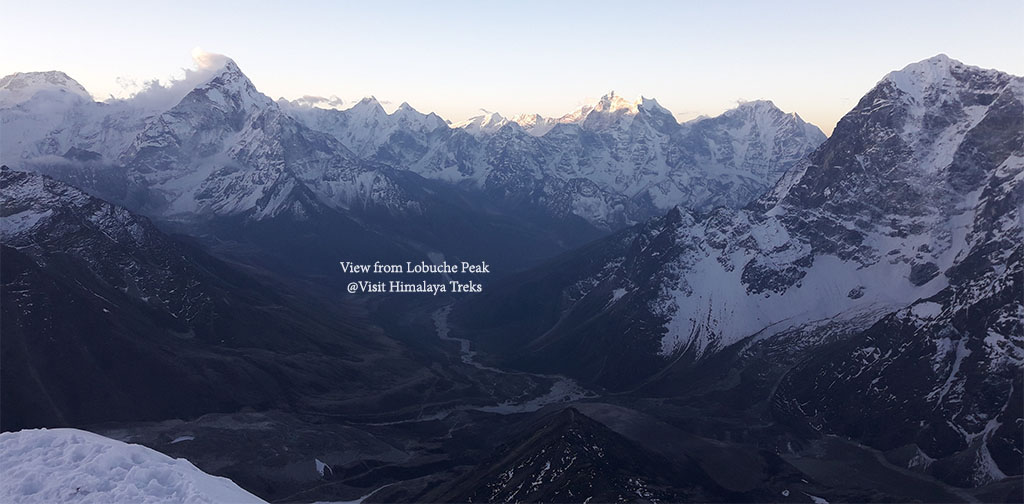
815 58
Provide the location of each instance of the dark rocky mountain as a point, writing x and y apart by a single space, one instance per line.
107 318
937 385
567 457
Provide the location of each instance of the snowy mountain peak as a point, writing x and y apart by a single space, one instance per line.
756 107
408 117
230 66
652 105
369 101
609 104
577 116
769 118
609 111
227 89
228 77
535 124
406 111
938 65
937 74
222 71
484 124
933 117
22 86
368 107
528 119
612 102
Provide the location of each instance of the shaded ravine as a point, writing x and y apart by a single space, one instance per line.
563 389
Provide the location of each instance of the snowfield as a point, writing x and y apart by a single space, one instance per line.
71 465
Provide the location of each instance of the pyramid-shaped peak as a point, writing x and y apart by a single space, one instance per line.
368 107
652 105
222 72
405 111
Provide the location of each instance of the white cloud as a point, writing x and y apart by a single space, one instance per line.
161 95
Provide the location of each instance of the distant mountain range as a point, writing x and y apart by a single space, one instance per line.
226 150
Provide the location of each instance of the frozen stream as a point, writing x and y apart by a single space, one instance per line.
563 390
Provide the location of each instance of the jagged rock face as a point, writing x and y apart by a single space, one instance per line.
937 383
63 229
46 218
948 365
910 159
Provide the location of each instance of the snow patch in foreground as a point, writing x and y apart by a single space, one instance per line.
59 465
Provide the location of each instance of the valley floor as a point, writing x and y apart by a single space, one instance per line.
435 448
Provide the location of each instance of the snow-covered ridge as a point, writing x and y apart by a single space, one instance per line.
22 86
939 70
538 125
483 124
613 163
71 465
222 148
